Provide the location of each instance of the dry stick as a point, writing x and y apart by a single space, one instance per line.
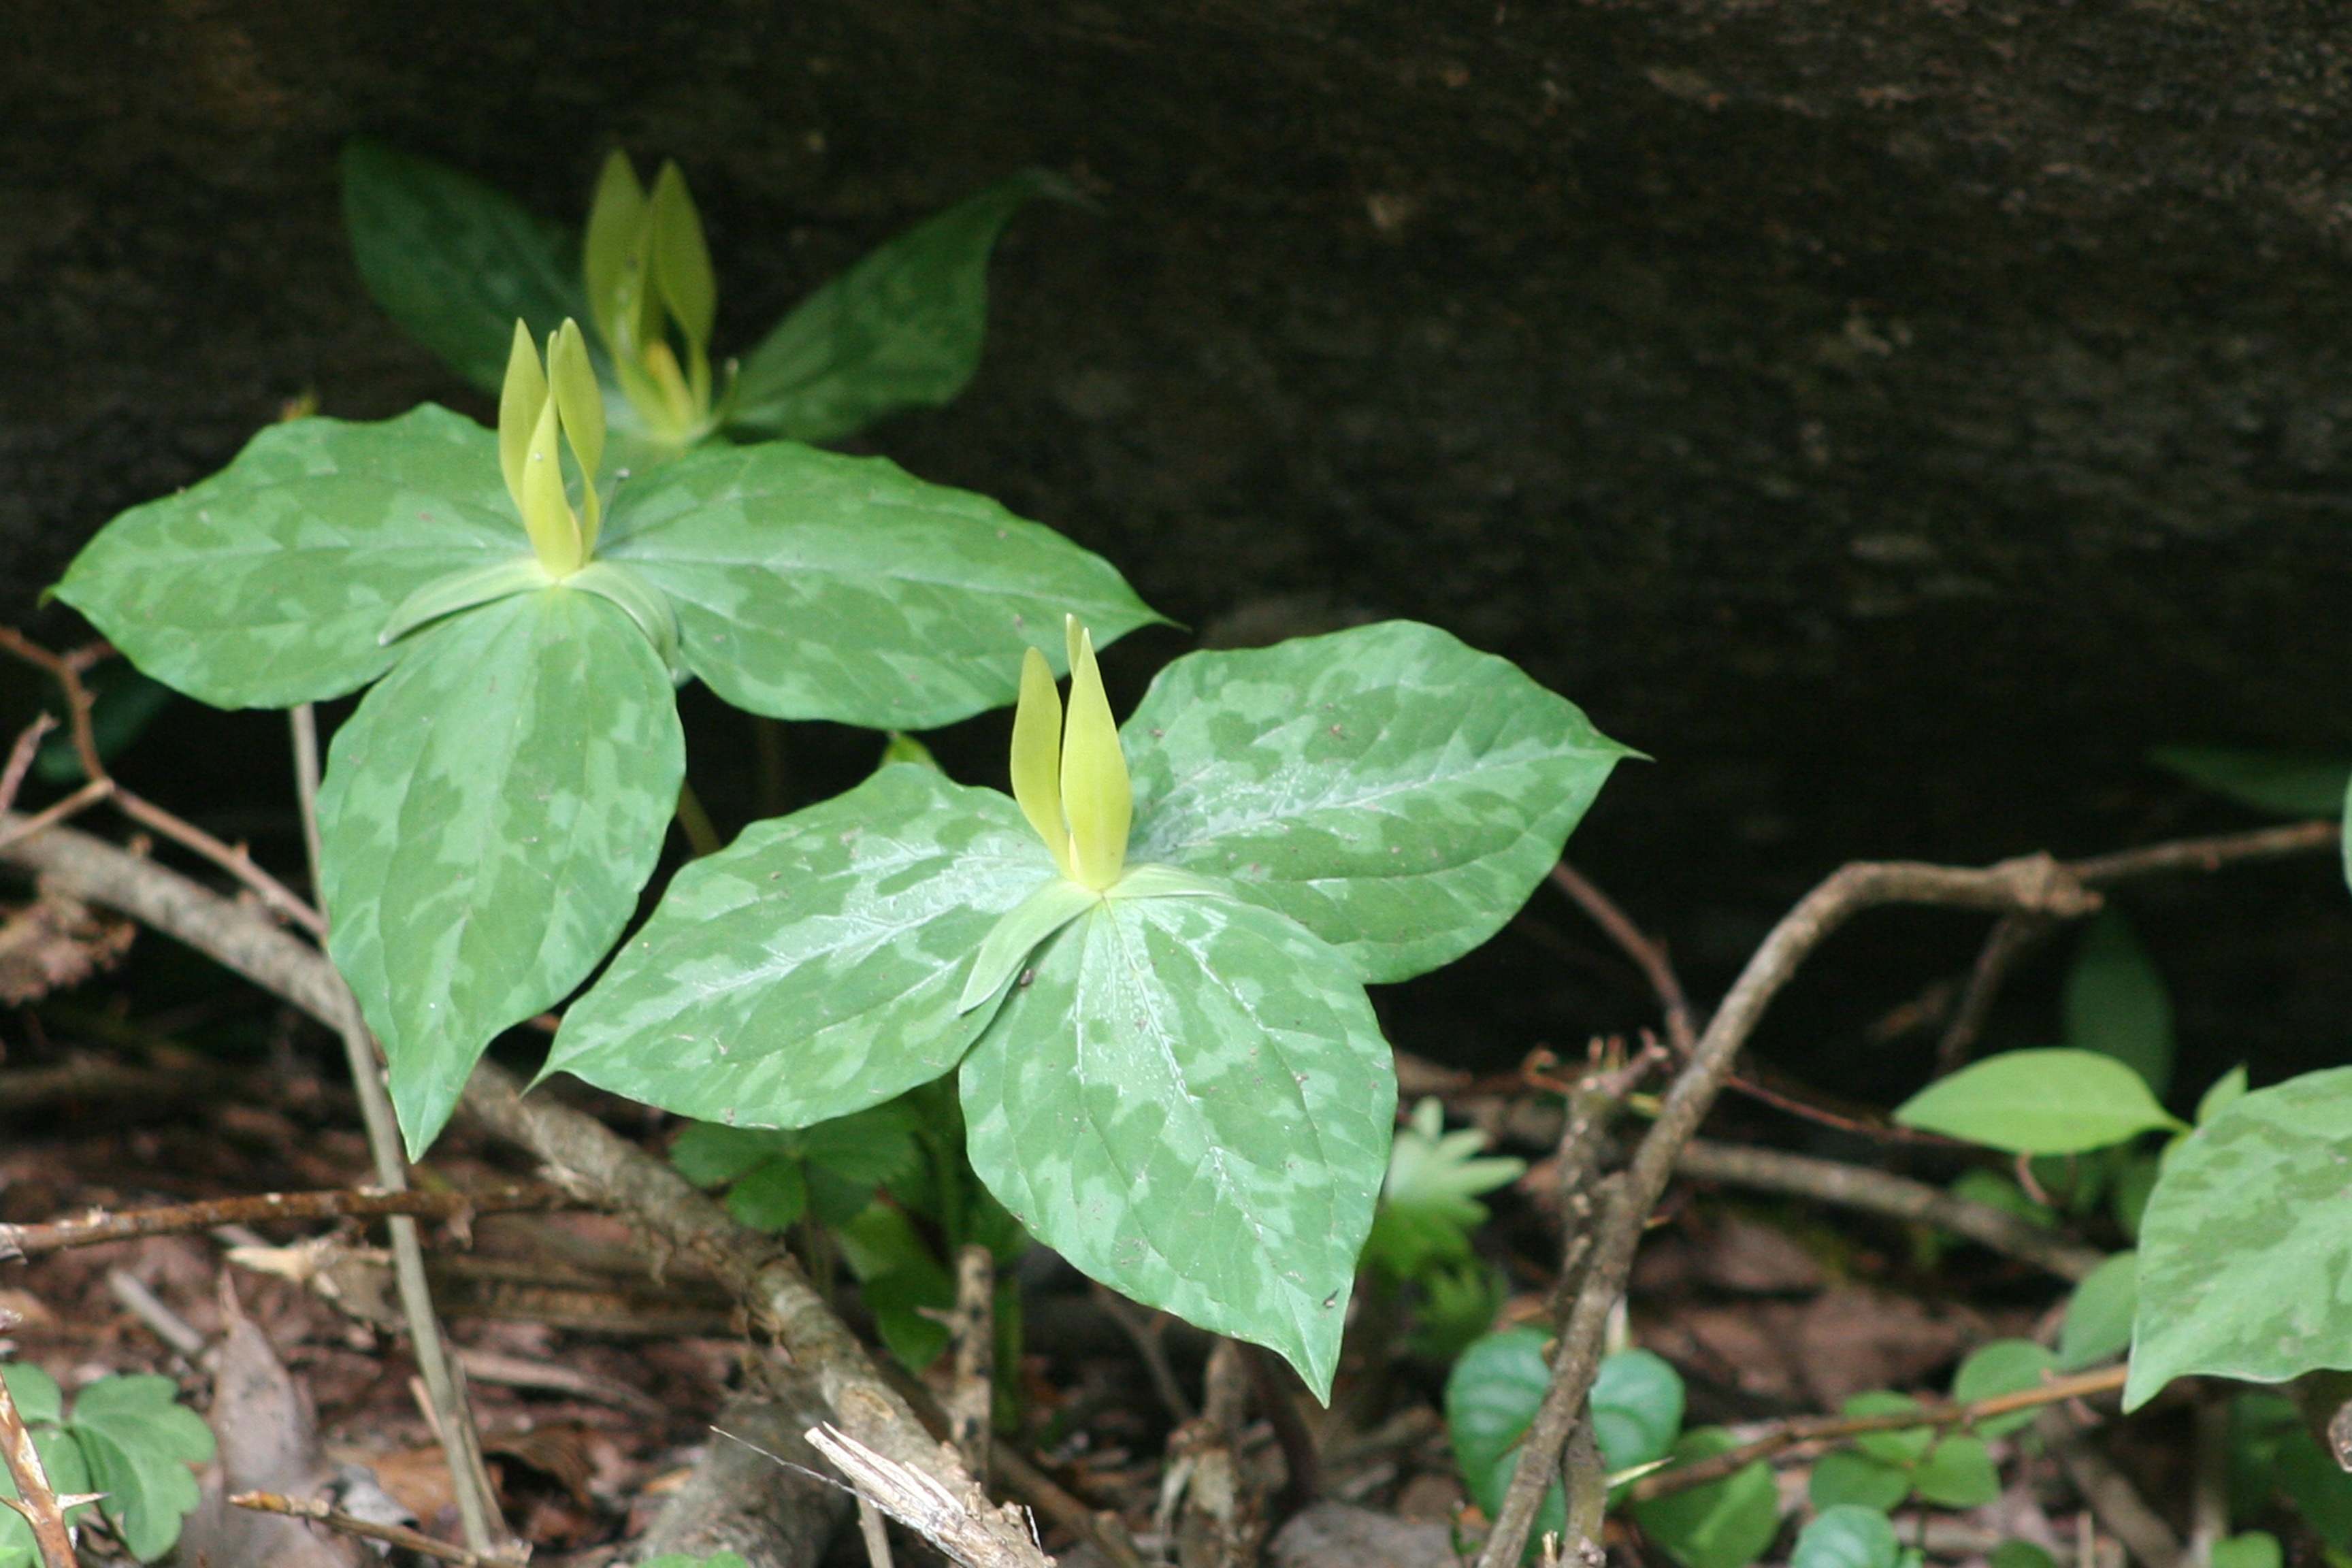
1822 1428
343 1524
36 1499
1650 955
477 1495
81 800
1882 1192
972 1327
21 755
2035 883
1150 1346
962 1524
2109 1494
2011 938
32 1240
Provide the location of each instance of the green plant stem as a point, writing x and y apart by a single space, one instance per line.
701 837
476 1498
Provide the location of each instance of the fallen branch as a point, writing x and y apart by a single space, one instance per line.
32 1240
962 1524
1826 1428
1896 1197
343 1524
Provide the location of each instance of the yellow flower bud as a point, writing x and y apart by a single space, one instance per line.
1072 785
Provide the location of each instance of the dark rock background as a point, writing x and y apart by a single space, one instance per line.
1893 419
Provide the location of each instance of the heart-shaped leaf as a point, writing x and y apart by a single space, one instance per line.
1846 1535
811 585
1849 1475
1396 793
2039 1102
2001 1366
268 583
489 815
2246 1245
1491 1399
901 328
814 968
1728 1523
1191 1102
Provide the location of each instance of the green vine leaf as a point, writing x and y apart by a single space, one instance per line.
2054 1102
1728 1523
811 585
902 328
2245 1253
1395 791
269 583
1191 1102
814 967
489 815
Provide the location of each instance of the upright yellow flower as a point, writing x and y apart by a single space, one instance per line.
539 412
1072 782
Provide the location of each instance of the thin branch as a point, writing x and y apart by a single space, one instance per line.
1883 1192
21 755
2011 938
1150 1346
1820 1115
74 805
343 1524
1269 1382
36 1499
2211 854
1651 956
32 1240
2108 1493
230 858
1826 1428
972 1327
2036 883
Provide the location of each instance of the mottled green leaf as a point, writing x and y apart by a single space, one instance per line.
1728 1523
1847 1535
813 968
2116 1003
1191 1102
268 583
2054 1102
139 1443
489 815
1491 1399
1396 793
455 261
2245 1255
1637 1408
2286 783
811 585
901 328
1957 1473
2001 1366
1849 1475
2099 1314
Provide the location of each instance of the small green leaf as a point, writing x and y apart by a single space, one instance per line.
452 261
1995 1190
1849 1475
268 583
1728 1523
900 330
2116 1003
2286 783
1396 793
1426 1211
462 590
2013 1554
1056 903
1491 1399
139 1443
2255 1549
1957 1473
771 1197
1637 1408
489 815
2002 1366
900 1278
812 968
809 586
1906 1445
1846 1535
2246 1245
644 603
2099 1316
2039 1102
2220 1094
709 1155
1191 1102
36 1393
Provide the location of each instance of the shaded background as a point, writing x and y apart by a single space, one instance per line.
1893 420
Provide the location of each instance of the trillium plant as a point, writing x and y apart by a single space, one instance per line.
1146 968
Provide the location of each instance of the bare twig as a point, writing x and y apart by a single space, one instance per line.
2012 936
2213 854
97 1226
876 1532
964 1525
1824 1428
2109 1494
1896 1197
143 1304
1650 955
1872 1127
343 1524
477 1496
972 1327
1268 1381
2036 883
1150 1346
48 816
36 1499
21 755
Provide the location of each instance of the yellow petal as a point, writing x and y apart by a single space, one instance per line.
616 222
519 402
1037 757
546 515
581 404
1096 794
681 260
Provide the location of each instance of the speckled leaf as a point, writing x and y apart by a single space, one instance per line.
813 968
810 585
456 261
1191 1102
267 584
490 813
2245 1251
901 328
1395 792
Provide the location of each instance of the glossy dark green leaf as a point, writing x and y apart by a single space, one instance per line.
2245 1254
1849 1475
2016 1553
1957 1473
1637 1408
2002 1366
1191 1101
268 583
490 816
813 968
2285 784
1728 1523
2055 1101
2116 1003
1491 1399
453 261
901 328
1847 1535
1396 793
811 585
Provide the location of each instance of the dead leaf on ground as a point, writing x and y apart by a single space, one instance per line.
57 941
1815 1353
